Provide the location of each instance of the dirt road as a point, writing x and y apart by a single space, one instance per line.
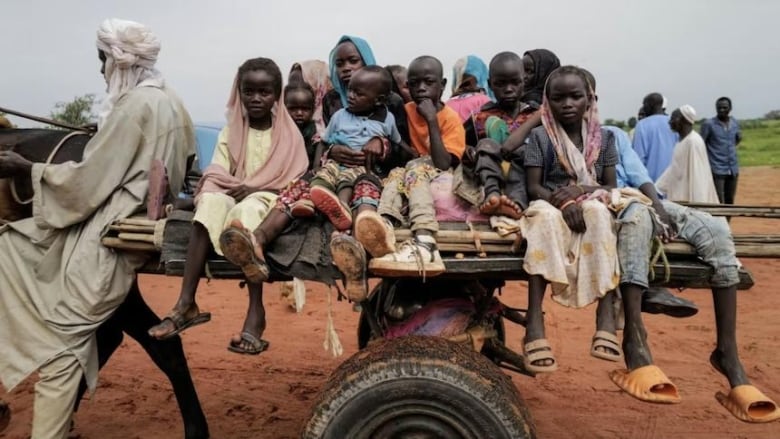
269 396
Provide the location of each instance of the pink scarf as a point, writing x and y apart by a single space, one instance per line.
317 75
578 164
287 159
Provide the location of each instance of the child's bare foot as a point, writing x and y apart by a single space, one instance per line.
496 204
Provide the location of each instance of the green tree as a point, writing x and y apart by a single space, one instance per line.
77 112
4 122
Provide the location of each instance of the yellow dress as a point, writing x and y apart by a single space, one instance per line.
216 210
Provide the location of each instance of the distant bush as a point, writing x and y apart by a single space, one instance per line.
773 115
752 124
617 123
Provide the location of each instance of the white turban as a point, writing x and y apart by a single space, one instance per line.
131 51
688 113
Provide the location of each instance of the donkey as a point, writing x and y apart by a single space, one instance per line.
134 316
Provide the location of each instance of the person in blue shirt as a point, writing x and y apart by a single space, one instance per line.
711 237
722 135
653 139
712 240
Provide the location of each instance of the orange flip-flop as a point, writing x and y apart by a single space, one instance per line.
646 383
749 404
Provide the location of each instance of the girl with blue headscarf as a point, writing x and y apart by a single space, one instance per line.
350 54
470 89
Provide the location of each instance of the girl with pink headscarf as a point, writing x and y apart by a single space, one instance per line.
258 153
570 167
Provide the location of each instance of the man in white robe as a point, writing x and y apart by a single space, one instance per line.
58 283
688 178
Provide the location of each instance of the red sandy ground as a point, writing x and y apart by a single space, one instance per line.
269 396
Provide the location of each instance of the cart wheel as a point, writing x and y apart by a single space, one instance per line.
423 387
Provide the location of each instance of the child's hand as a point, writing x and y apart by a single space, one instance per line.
566 193
427 109
240 192
375 148
346 155
409 150
572 214
668 232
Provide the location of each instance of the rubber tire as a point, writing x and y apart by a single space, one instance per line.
418 385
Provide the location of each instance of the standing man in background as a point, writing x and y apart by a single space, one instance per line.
653 139
722 135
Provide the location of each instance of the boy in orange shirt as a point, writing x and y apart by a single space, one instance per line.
437 135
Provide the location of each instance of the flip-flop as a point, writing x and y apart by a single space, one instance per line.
538 350
238 248
662 301
180 323
749 404
609 341
646 383
258 345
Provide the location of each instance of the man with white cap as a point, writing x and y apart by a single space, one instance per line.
59 282
688 177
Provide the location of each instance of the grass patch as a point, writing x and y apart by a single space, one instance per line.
760 143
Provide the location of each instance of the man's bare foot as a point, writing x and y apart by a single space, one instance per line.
179 319
496 204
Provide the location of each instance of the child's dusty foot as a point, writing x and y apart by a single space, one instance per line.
497 204
177 320
417 257
249 341
605 343
538 356
302 208
327 202
350 258
728 365
606 346
375 233
535 343
635 348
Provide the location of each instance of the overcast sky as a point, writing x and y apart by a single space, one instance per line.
691 51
